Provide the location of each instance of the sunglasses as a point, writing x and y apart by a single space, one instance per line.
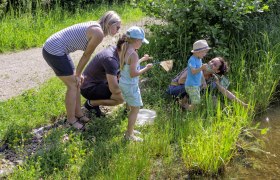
115 24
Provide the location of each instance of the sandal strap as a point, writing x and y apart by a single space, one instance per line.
72 125
81 118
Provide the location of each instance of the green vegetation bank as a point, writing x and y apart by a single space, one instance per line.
179 144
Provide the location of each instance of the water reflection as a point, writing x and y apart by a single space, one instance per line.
262 165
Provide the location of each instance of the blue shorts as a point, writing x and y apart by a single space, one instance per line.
61 65
131 94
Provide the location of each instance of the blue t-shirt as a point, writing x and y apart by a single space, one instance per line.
194 79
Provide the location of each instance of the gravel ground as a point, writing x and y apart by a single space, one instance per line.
20 71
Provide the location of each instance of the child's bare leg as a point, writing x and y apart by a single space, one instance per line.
185 105
184 102
194 95
132 116
132 119
191 107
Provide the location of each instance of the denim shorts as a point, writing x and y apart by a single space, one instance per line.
131 94
61 65
194 94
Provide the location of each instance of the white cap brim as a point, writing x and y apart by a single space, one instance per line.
145 41
201 49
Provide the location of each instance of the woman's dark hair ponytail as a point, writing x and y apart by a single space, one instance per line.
224 66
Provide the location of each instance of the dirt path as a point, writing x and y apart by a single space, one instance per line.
20 71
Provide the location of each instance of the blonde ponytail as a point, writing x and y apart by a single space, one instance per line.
123 52
122 46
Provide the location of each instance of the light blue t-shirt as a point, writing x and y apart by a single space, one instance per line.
193 79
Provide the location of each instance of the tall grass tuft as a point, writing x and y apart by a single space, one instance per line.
256 62
210 142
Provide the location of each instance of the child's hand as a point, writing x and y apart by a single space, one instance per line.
149 66
146 57
204 66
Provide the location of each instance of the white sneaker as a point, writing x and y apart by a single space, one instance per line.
133 138
136 132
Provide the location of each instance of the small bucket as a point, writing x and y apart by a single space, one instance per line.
145 116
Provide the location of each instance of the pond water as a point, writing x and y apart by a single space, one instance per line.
261 164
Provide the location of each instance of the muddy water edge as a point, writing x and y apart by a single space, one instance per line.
261 160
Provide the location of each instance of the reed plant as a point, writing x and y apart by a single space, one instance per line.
255 63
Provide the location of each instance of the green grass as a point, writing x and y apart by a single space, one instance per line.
20 114
256 63
28 30
177 144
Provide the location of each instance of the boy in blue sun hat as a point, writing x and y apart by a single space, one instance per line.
195 72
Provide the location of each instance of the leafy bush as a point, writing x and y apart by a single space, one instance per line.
190 20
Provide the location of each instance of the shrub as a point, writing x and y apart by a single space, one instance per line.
215 20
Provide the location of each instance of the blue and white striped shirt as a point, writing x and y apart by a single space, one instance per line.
70 39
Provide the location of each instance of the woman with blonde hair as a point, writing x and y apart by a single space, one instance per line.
83 36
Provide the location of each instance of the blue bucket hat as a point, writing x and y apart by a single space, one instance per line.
137 33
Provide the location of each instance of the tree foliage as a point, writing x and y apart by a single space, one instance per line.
190 20
3 5
22 6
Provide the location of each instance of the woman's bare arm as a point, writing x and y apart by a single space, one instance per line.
229 94
183 77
